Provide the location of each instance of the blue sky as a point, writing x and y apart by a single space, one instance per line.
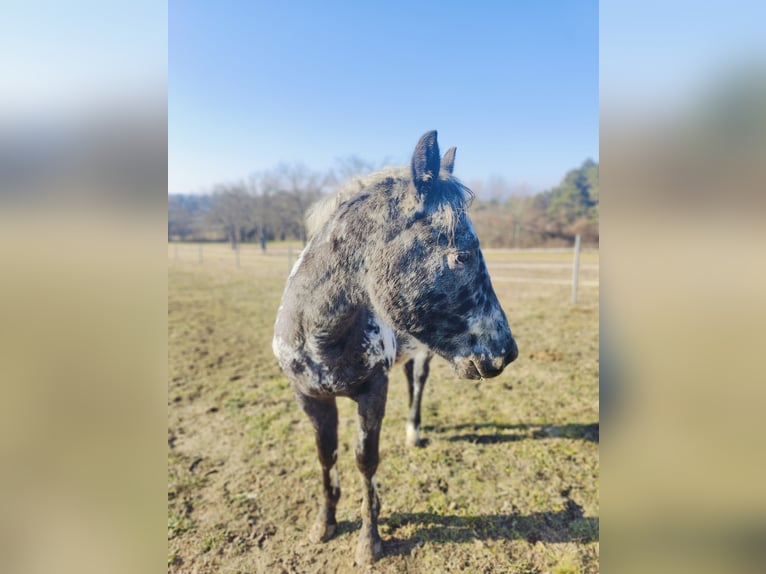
514 85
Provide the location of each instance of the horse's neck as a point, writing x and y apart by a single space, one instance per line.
336 284
344 253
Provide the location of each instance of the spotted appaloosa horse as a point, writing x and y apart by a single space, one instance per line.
394 270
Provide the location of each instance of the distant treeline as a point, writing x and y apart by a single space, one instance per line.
272 205
550 218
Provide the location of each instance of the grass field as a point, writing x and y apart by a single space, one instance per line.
508 481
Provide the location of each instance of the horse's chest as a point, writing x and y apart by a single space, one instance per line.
341 363
358 356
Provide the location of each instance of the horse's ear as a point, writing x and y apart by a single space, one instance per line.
425 163
448 161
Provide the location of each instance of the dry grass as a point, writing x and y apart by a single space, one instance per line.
507 483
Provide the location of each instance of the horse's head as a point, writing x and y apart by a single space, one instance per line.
431 280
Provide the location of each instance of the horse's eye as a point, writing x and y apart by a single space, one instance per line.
463 257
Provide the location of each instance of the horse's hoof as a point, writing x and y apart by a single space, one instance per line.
321 531
414 440
423 442
368 551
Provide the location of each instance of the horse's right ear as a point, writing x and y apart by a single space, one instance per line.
425 163
448 161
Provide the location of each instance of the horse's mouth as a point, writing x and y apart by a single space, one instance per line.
469 368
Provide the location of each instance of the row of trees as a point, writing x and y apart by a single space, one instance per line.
269 205
272 205
550 218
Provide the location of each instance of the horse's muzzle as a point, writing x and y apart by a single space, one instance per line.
484 367
511 356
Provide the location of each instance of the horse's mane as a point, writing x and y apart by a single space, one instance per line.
457 196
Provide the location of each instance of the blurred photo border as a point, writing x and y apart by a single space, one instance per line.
83 295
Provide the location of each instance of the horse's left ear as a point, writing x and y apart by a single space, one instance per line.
425 163
448 161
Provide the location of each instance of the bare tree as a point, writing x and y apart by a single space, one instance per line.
232 210
181 221
293 188
348 167
269 219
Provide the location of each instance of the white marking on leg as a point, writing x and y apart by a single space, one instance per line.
413 435
421 357
334 478
374 483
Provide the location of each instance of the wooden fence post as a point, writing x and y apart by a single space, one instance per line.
576 268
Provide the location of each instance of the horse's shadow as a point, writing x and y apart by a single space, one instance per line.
491 433
568 525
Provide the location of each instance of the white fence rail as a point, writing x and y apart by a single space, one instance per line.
557 266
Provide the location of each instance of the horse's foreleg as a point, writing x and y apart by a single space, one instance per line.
416 370
324 417
371 408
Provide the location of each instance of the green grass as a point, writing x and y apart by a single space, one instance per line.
507 483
